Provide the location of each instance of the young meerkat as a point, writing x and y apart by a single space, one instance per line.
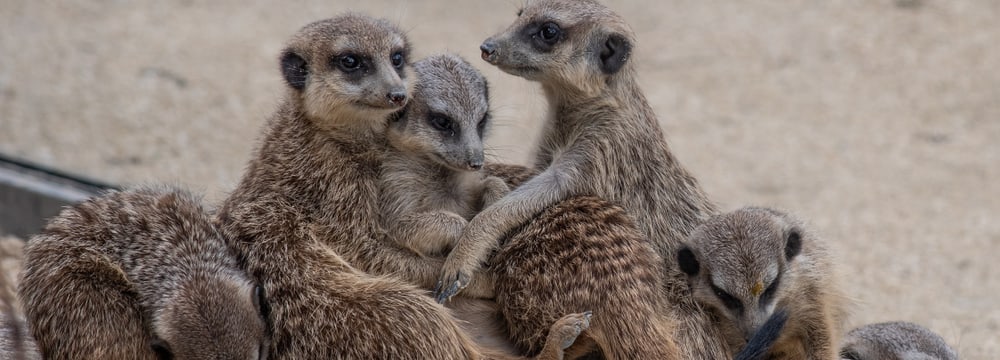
139 274
746 264
601 138
432 181
305 217
897 340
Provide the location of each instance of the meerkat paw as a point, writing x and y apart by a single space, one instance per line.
565 330
451 283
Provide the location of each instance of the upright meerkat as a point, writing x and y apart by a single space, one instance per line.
139 274
601 138
305 216
746 264
896 340
432 181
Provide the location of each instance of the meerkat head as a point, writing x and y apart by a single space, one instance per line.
348 67
741 264
570 44
448 116
896 340
213 316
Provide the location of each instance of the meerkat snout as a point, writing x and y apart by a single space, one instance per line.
489 49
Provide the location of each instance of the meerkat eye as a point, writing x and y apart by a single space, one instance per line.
349 63
397 59
730 301
768 294
441 123
549 32
482 123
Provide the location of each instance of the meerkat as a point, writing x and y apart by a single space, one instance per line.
15 343
305 217
896 340
432 181
601 138
139 274
746 264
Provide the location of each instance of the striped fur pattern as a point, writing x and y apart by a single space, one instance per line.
135 274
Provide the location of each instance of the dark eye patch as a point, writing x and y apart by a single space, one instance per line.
730 301
768 296
543 36
442 123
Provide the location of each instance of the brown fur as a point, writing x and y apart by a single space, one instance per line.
749 263
895 340
603 139
110 276
305 218
428 188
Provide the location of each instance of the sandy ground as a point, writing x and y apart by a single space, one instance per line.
874 120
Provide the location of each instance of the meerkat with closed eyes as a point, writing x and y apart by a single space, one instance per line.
896 340
140 274
431 182
305 217
746 264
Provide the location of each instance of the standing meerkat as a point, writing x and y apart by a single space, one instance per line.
746 264
305 216
432 180
139 274
896 340
601 138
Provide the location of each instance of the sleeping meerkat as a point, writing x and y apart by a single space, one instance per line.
897 340
139 274
305 217
601 138
431 181
746 264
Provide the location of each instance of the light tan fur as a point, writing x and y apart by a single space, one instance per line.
135 274
602 139
305 219
895 340
431 183
746 264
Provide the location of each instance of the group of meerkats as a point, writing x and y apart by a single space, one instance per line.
368 205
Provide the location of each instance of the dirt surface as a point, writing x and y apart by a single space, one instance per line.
877 121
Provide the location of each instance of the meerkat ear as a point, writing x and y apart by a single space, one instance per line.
688 262
614 53
294 69
161 348
793 246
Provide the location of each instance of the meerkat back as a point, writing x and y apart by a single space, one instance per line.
895 341
138 274
749 263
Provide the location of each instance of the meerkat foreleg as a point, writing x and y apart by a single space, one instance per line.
482 234
494 188
429 233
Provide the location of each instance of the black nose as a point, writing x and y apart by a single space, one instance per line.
489 50
396 97
475 165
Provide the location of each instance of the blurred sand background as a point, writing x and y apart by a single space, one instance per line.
875 120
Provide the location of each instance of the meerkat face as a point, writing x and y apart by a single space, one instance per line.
569 43
739 264
448 116
214 319
348 67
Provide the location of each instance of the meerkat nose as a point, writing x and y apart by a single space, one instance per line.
489 50
396 97
475 164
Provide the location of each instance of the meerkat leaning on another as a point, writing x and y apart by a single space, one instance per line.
432 181
746 264
897 340
139 274
601 139
305 218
